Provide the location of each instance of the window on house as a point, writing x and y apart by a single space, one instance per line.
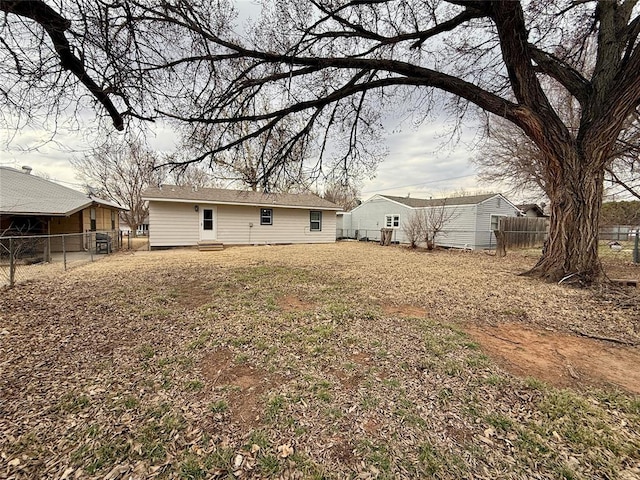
392 221
315 221
113 220
207 219
266 216
495 221
92 218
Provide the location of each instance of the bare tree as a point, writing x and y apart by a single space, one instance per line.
174 171
50 61
254 163
510 158
434 220
425 224
334 67
121 171
345 196
413 228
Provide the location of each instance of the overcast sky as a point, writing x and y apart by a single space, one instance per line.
417 162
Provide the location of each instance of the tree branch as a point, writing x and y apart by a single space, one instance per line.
469 14
55 25
575 83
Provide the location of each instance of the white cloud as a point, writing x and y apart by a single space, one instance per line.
422 163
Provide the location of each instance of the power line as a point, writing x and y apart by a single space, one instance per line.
421 183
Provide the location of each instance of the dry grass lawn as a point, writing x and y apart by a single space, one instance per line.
332 361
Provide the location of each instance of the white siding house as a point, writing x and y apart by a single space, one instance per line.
185 216
470 223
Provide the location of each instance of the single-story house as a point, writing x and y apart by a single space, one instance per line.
190 216
31 205
469 223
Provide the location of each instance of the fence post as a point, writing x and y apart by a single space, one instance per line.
12 264
91 243
64 254
636 247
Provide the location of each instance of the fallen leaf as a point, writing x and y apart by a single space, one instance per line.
285 450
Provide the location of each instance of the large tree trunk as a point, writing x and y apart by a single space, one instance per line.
571 251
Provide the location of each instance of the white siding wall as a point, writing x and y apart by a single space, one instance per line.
369 219
468 227
459 230
290 225
343 223
178 224
173 224
493 206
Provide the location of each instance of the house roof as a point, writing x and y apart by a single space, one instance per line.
531 206
24 194
238 197
437 202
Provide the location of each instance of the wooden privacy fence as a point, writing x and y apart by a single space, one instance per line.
523 232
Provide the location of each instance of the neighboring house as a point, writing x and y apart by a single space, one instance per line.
471 219
31 205
188 216
142 230
531 210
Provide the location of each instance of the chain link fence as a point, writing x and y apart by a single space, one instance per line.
23 258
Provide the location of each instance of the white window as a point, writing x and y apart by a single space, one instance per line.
315 221
495 220
266 216
392 221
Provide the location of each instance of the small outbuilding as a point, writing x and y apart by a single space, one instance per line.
468 223
182 216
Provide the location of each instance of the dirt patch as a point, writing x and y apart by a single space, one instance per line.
192 296
559 359
404 310
370 426
361 359
289 303
246 382
348 379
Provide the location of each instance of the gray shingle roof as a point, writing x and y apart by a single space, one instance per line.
24 194
221 195
421 202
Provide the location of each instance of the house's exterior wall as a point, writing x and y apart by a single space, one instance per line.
62 225
343 224
495 206
369 218
178 224
468 226
103 219
173 224
290 225
459 227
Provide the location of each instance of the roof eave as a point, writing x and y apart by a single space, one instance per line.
244 204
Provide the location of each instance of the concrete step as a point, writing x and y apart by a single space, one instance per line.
210 246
